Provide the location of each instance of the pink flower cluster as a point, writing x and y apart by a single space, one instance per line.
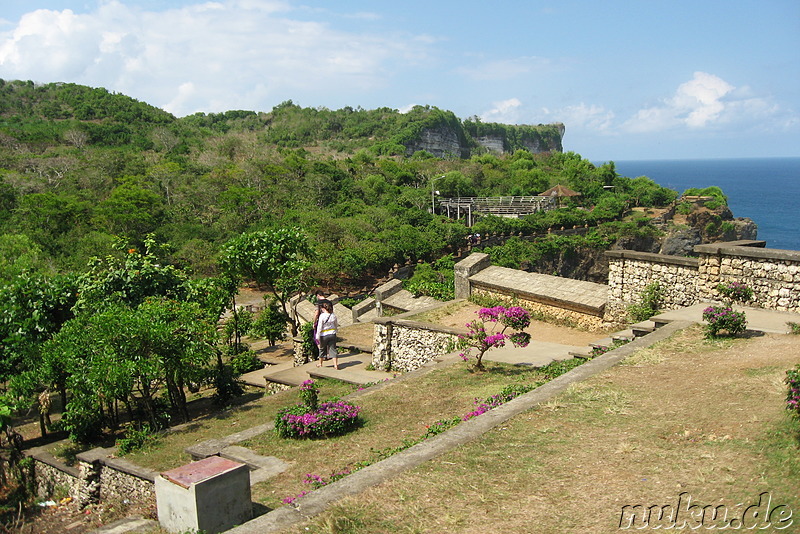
481 341
329 414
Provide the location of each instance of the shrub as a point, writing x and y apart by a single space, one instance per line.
270 324
735 291
309 394
135 439
649 305
245 362
313 420
721 318
329 419
481 341
793 395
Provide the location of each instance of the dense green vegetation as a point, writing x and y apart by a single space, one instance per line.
124 230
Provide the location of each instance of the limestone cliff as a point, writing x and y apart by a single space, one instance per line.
462 140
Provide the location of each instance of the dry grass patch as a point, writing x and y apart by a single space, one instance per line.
704 418
393 416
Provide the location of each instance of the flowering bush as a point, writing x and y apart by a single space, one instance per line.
508 393
309 394
480 340
721 318
793 395
314 420
735 291
329 419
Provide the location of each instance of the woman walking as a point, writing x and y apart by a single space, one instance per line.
327 325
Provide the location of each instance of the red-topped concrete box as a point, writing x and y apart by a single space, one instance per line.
210 495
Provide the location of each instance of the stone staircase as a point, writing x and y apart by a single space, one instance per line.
618 338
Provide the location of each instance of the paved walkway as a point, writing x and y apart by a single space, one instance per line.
571 293
758 320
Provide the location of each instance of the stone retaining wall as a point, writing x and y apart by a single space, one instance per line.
405 345
97 477
549 297
629 273
539 309
772 274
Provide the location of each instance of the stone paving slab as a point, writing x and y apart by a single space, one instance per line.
587 295
352 369
770 321
261 467
404 300
536 354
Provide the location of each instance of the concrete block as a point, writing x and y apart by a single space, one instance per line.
210 495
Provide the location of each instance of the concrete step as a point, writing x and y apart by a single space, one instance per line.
404 300
261 467
369 316
584 353
128 525
624 335
643 328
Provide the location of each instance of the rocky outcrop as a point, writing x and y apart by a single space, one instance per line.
443 142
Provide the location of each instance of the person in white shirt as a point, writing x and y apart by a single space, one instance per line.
327 325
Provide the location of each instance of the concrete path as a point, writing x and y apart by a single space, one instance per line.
352 369
758 320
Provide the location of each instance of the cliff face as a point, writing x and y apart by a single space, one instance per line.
442 142
446 141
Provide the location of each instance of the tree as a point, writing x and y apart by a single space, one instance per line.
480 340
128 355
278 259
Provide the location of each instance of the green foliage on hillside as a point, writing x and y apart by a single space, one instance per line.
290 197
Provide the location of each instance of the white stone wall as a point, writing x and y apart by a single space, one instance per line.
775 282
773 275
628 278
407 345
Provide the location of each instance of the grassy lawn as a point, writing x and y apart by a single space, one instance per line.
392 414
688 416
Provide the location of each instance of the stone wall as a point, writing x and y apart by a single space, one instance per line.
629 273
97 477
405 345
774 276
541 310
573 302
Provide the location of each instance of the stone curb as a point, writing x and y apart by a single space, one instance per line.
319 500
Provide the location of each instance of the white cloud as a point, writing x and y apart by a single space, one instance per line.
200 56
505 111
699 103
505 69
582 117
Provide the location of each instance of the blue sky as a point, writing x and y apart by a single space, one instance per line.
644 79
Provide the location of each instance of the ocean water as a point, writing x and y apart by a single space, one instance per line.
766 190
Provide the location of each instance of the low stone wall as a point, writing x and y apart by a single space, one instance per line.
97 477
772 274
554 313
629 273
405 345
53 477
574 302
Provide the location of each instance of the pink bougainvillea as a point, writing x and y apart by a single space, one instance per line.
499 319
